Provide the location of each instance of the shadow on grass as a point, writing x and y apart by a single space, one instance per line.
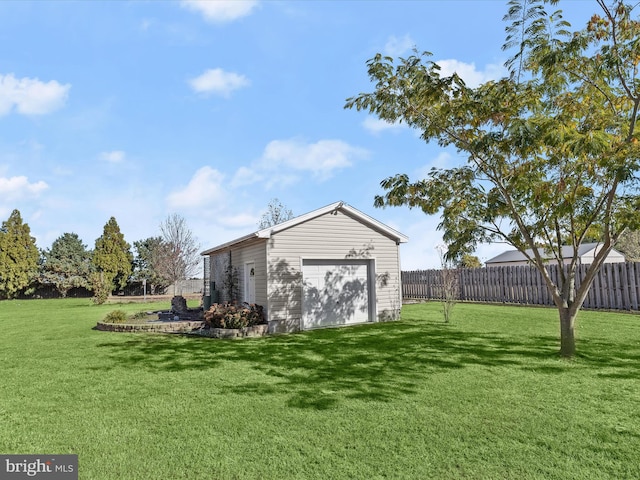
610 360
373 362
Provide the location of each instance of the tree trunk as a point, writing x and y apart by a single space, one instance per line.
567 337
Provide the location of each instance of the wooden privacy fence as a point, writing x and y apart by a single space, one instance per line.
617 285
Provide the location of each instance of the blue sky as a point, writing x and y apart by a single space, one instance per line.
210 109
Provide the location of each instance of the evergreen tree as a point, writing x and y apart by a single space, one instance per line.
112 260
67 264
19 256
146 264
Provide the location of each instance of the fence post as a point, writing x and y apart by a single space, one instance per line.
633 289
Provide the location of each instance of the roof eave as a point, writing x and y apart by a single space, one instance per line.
333 207
229 244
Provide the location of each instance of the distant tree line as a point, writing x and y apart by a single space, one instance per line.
70 266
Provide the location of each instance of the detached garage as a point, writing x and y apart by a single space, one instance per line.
333 266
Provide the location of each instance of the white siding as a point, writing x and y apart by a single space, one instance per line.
585 259
329 236
613 257
255 252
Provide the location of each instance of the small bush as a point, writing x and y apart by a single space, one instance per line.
227 315
142 315
101 288
116 316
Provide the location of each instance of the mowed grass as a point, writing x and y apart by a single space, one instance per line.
484 397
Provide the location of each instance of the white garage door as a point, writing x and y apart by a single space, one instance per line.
336 292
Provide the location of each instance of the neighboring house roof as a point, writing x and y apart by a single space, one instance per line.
334 207
567 252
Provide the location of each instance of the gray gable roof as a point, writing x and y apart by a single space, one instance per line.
336 206
518 256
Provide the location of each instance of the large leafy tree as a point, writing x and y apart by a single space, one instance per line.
147 262
552 151
67 264
19 256
112 258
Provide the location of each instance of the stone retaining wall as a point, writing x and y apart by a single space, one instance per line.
160 327
195 328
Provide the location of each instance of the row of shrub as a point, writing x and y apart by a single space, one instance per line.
120 316
231 315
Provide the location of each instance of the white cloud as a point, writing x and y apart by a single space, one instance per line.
30 96
320 159
241 220
443 160
115 156
218 82
398 46
468 72
205 189
377 125
221 11
246 176
19 187
284 161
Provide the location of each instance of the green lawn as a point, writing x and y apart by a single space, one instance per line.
485 397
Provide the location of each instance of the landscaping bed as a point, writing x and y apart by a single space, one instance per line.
220 321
